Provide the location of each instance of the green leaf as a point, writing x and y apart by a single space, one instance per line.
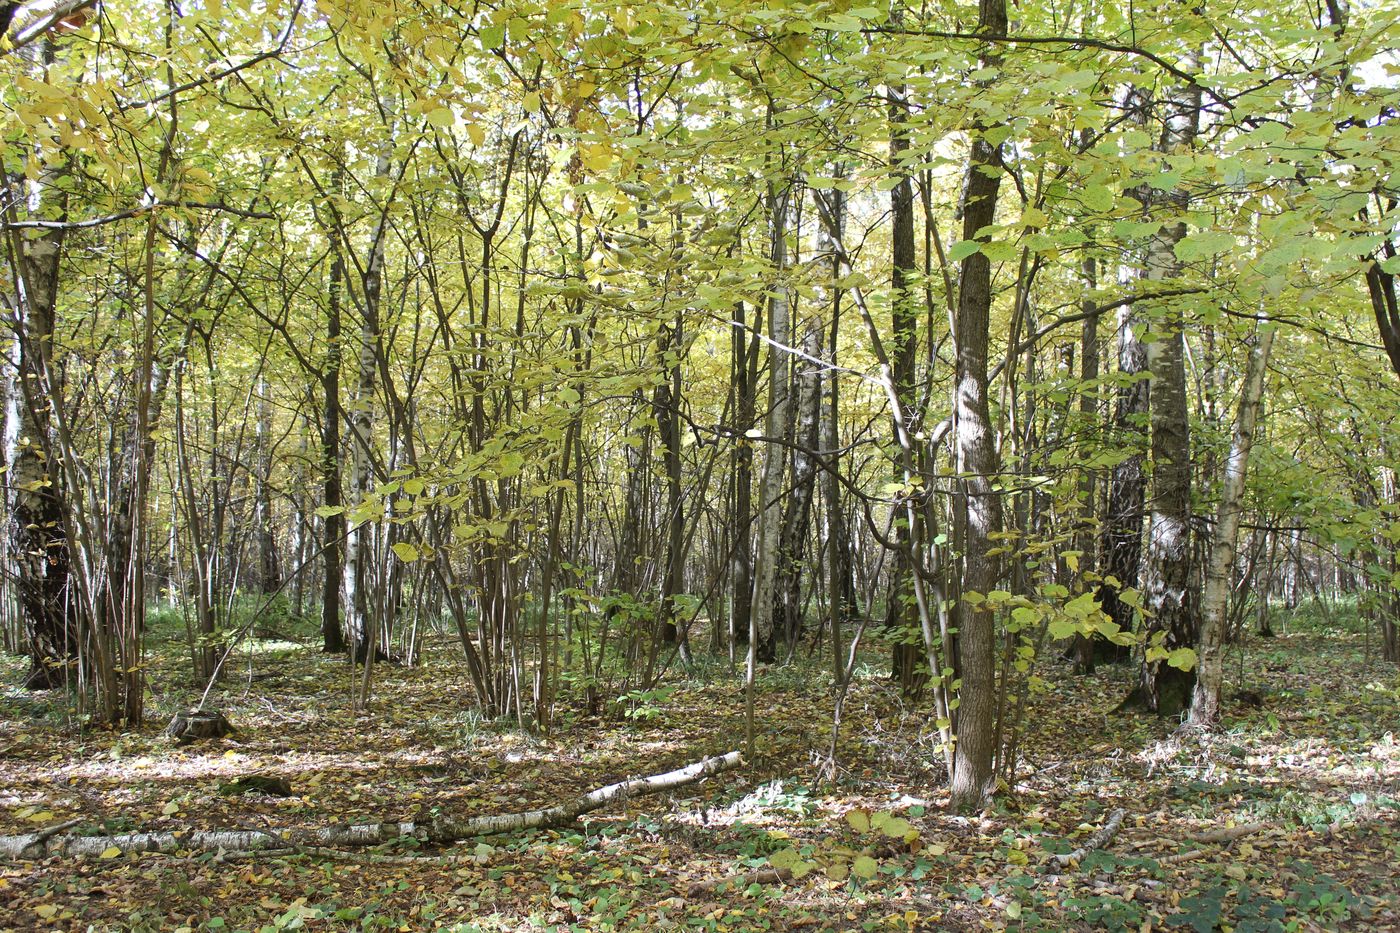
1097 198
784 859
864 867
405 552
963 249
492 37
1182 658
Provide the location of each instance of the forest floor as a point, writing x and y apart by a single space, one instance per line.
1313 774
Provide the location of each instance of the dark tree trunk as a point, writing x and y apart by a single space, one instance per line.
792 543
978 505
668 419
901 616
744 354
333 527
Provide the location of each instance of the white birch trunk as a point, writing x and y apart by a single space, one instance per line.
1205 702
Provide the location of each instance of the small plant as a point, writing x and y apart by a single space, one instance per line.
644 705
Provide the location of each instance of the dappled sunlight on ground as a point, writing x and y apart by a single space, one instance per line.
1316 767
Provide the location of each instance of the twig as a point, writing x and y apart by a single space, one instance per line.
43 834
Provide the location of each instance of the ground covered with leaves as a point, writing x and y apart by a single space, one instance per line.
1287 819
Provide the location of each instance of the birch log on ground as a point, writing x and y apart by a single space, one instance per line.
1098 840
440 831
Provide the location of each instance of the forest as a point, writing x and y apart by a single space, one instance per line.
587 465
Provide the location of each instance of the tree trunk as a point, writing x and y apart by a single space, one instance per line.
668 419
1086 648
333 525
358 625
978 505
269 571
37 537
744 362
1205 703
1120 552
900 616
777 427
1168 592
792 544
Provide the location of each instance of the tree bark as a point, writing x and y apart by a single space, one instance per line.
744 367
333 525
357 623
1205 702
900 616
792 542
978 504
43 563
1169 598
776 428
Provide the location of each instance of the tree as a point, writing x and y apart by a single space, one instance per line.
978 502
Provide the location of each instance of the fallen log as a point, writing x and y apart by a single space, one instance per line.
739 882
1224 836
441 831
1097 841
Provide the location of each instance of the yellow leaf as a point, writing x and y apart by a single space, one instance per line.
596 157
532 102
170 809
46 910
110 852
477 134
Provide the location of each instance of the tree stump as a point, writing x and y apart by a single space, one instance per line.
196 724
